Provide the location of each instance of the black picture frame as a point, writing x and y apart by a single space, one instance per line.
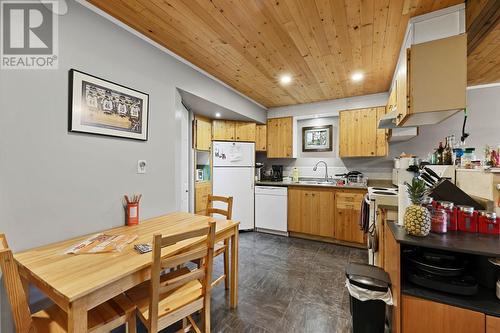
305 145
87 113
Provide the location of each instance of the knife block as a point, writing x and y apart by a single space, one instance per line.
444 190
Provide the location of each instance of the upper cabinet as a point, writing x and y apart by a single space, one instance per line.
203 133
229 130
245 131
223 130
432 84
280 138
359 135
261 138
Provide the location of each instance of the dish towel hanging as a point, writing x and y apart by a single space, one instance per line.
364 217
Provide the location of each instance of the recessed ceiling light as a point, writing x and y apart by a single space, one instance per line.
285 79
217 115
358 76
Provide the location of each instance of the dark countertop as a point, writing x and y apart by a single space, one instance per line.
286 184
371 182
456 241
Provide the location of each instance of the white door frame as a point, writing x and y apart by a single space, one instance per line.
183 152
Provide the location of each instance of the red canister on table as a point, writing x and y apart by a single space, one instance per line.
467 219
489 223
439 221
451 212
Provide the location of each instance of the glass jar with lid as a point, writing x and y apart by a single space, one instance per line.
439 221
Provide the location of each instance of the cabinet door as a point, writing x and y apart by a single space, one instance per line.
381 145
325 210
492 324
401 89
347 214
358 133
261 138
420 315
245 132
294 209
203 134
202 190
223 130
280 137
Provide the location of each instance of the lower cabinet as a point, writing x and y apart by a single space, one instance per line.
420 315
347 214
492 324
325 212
310 211
201 190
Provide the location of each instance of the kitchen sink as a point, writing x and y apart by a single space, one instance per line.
317 182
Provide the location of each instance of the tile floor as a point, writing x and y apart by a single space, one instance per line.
286 285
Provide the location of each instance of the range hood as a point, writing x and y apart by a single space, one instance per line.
388 120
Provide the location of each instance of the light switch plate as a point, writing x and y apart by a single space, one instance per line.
141 166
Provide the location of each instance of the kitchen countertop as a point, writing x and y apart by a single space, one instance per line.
455 241
374 182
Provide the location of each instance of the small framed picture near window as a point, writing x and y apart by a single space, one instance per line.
102 107
317 138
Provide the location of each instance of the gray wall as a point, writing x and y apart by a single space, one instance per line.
55 185
483 126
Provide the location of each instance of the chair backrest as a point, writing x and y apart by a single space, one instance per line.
203 252
228 213
14 288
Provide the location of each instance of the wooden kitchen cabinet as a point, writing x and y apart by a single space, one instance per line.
280 137
359 135
261 138
245 131
310 211
347 214
421 315
431 81
492 324
201 190
223 130
203 133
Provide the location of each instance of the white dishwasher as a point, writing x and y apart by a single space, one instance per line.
271 205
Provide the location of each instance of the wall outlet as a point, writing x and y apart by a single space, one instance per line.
141 166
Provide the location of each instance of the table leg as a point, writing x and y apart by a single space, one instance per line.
234 270
26 288
77 317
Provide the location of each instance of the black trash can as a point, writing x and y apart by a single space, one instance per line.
368 316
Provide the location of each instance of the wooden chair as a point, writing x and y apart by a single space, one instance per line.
221 247
169 298
102 318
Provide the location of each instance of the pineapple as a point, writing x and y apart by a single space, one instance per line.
417 219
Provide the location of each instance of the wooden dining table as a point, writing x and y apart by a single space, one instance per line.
80 282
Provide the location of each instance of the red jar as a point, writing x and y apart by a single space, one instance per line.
467 219
451 212
489 223
439 221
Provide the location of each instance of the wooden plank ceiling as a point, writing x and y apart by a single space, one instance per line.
483 27
249 44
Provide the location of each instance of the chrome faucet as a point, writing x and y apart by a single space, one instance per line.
326 169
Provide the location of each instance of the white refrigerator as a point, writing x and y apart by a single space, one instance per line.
233 175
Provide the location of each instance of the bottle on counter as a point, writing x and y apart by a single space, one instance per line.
440 152
447 153
295 175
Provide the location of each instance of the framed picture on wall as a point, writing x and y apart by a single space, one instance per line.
99 106
317 138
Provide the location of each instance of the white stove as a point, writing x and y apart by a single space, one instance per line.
378 196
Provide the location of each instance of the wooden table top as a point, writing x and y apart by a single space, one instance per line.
74 276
